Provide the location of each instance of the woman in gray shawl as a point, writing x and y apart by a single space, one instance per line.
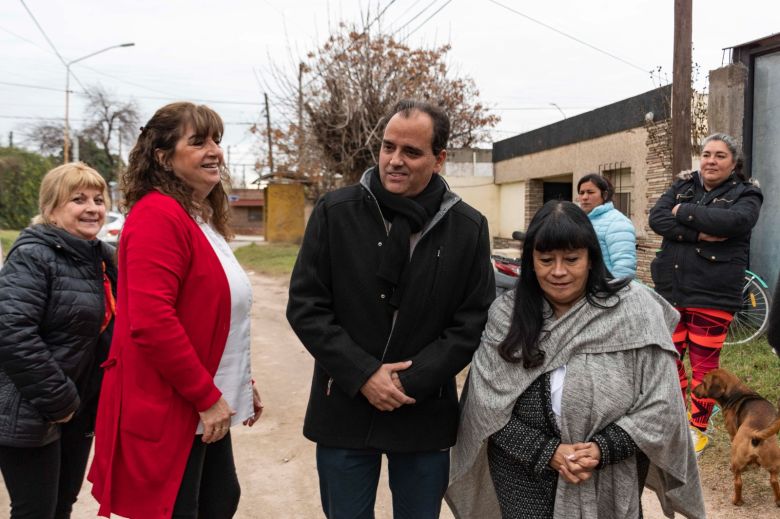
572 403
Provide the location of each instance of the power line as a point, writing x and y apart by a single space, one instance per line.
40 118
529 108
413 18
431 16
539 22
51 44
44 34
137 85
23 85
172 98
21 38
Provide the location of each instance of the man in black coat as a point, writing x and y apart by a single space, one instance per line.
390 294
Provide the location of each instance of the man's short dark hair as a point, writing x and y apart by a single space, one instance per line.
441 122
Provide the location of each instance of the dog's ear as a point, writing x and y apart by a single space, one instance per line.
714 386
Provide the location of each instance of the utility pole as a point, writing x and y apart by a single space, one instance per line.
228 157
681 87
270 141
301 146
11 139
66 127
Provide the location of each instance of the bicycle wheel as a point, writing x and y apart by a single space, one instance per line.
751 321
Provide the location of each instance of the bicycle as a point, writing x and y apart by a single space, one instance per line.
751 321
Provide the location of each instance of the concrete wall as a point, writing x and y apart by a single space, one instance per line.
284 213
626 147
480 193
512 219
726 103
764 244
468 162
729 96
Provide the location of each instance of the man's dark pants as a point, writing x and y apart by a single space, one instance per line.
349 479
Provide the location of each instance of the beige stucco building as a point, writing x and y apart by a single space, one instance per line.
546 163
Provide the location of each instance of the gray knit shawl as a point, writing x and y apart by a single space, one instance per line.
620 367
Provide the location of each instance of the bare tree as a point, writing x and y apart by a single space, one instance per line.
109 123
46 136
331 113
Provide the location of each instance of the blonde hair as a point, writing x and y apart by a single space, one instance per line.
59 183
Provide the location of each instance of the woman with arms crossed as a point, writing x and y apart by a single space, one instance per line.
178 374
705 218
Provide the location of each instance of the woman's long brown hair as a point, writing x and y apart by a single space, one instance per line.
146 172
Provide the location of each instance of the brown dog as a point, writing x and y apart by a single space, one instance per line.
752 423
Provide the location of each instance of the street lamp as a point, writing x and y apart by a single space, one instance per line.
66 147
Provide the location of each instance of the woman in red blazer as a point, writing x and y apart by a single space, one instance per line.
176 293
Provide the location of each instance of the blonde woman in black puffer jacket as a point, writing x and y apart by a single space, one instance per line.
56 316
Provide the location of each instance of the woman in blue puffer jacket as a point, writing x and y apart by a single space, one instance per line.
615 232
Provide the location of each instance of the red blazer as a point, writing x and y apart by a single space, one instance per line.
172 322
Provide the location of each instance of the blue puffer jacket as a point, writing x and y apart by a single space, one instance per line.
617 239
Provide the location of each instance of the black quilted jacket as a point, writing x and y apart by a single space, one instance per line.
51 308
702 274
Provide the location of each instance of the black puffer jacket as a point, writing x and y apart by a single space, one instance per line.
690 273
52 305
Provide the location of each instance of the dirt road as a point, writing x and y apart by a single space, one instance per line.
276 464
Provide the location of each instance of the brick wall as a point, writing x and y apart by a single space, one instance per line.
659 178
534 199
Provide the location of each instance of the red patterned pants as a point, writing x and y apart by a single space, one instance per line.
701 332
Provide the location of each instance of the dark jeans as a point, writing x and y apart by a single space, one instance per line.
349 479
209 488
44 482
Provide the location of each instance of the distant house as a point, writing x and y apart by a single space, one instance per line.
627 141
247 206
469 172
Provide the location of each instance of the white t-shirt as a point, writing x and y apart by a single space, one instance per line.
557 378
234 374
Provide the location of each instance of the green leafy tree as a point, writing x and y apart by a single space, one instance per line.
20 178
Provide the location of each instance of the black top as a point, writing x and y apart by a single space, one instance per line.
688 272
519 454
338 308
52 306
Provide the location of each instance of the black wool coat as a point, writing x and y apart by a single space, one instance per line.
689 272
52 306
338 309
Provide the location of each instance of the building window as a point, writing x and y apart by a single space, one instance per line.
624 184
254 214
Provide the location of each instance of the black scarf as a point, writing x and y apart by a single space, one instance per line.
407 215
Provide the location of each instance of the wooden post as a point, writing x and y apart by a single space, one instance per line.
270 141
300 120
681 87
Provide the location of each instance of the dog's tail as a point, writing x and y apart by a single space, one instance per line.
767 433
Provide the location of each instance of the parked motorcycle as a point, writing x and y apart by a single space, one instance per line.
507 270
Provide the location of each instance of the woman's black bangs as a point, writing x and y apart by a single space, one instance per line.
561 233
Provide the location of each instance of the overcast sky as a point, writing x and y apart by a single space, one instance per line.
217 52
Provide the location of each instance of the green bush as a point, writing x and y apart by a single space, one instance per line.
20 178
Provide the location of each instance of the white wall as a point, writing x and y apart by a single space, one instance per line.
512 197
